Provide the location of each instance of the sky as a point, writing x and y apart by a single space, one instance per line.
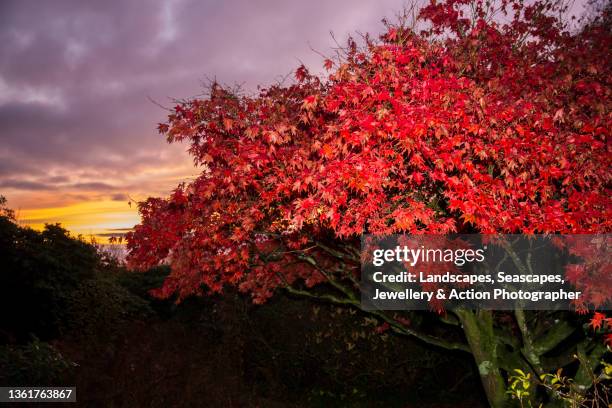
81 84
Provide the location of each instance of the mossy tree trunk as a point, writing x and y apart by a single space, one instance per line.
479 332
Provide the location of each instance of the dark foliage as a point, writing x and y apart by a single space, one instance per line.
72 317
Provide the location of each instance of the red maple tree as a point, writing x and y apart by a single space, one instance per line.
493 118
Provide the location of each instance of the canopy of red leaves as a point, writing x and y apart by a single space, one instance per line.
480 123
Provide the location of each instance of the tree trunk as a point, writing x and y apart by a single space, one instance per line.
478 329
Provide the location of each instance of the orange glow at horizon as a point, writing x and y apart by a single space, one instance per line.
97 219
98 203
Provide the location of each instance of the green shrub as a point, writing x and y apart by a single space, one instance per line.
101 304
38 273
33 364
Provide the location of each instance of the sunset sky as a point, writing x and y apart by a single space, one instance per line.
77 80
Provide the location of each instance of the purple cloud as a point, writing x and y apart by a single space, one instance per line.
76 78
